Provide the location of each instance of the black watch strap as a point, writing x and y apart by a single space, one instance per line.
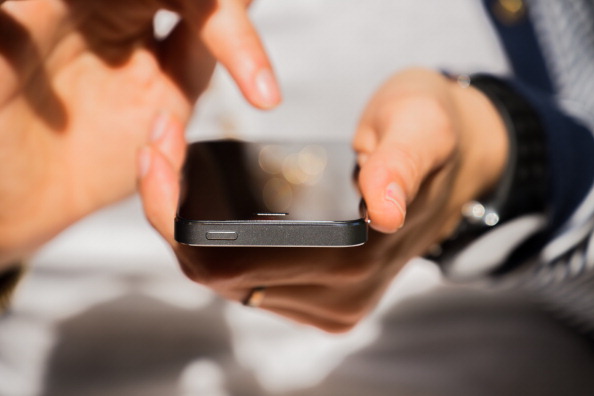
523 186
8 281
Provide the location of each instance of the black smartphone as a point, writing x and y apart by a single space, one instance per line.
236 193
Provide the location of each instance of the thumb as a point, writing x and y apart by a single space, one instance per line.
387 183
159 190
159 165
393 172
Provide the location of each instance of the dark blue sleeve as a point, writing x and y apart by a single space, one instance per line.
570 154
570 143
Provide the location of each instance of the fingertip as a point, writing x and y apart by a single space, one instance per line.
159 190
267 92
386 217
384 197
256 79
259 87
394 195
233 40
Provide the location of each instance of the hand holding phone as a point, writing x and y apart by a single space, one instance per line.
325 287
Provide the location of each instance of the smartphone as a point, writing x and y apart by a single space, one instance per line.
237 193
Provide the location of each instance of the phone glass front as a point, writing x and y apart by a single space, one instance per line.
269 194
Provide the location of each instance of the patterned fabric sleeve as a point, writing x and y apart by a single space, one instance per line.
569 253
565 277
552 54
570 167
550 46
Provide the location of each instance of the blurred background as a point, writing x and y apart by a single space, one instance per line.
105 308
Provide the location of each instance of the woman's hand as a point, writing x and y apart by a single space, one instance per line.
83 81
426 146
326 287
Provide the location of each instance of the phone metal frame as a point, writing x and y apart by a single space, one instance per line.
271 233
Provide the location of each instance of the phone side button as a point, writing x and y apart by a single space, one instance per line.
221 235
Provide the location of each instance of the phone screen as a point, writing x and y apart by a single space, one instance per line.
228 183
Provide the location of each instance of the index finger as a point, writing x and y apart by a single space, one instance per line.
233 40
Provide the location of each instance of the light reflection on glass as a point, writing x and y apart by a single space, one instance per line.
292 169
271 159
277 194
313 160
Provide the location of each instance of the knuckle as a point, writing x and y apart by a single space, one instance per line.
336 328
143 67
355 273
347 315
423 112
214 273
220 276
353 313
434 110
354 266
189 272
332 323
365 140
346 322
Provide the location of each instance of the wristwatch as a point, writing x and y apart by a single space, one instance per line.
522 188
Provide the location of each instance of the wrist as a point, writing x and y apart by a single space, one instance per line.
519 193
484 141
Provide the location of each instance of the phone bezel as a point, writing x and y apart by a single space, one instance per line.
273 231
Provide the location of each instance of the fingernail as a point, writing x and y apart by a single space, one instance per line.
144 161
267 88
395 194
160 125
